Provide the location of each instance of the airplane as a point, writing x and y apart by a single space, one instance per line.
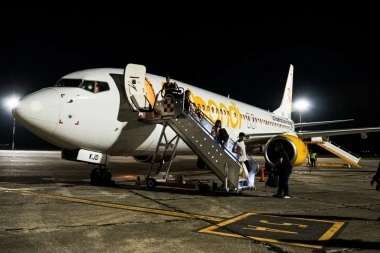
92 126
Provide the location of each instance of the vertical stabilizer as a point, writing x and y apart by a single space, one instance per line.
285 108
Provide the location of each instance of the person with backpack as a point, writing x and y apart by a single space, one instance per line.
220 133
215 129
284 169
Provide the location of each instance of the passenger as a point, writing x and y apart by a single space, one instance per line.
188 104
219 133
190 107
170 88
239 148
284 169
215 129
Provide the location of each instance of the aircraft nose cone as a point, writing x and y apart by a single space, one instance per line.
39 111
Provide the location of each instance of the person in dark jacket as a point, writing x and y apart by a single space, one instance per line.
376 178
284 169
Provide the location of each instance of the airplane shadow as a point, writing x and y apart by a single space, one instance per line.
34 180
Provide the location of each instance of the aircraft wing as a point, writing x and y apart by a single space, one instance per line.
335 132
306 124
251 139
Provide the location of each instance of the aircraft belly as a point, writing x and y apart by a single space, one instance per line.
133 140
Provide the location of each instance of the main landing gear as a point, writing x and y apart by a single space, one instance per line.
101 176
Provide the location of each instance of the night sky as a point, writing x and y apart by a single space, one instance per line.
245 53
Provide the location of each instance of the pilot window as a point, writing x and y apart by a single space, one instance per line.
94 86
68 83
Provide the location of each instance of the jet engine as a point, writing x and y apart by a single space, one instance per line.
294 147
148 159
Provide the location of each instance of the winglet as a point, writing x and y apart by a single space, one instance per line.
285 108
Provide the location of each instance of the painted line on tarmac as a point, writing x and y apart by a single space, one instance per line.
260 228
118 206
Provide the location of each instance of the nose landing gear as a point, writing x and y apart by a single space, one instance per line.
101 176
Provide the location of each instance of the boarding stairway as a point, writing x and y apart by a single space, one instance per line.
337 150
194 128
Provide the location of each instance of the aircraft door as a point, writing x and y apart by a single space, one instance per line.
253 121
134 82
249 123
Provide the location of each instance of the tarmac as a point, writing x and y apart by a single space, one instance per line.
48 205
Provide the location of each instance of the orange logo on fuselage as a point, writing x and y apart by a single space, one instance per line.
229 115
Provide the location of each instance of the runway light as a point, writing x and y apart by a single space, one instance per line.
11 103
301 105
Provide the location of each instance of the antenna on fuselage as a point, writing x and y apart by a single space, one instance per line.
228 95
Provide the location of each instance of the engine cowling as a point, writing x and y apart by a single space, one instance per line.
148 159
294 147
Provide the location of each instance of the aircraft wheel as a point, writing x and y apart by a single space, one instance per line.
95 177
151 183
106 176
203 189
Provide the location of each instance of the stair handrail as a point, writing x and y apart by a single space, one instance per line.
344 149
201 115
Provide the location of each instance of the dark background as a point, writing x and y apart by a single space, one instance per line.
245 53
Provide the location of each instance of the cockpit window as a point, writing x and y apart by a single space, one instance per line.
68 83
94 86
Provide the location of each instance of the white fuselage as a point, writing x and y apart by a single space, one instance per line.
75 118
